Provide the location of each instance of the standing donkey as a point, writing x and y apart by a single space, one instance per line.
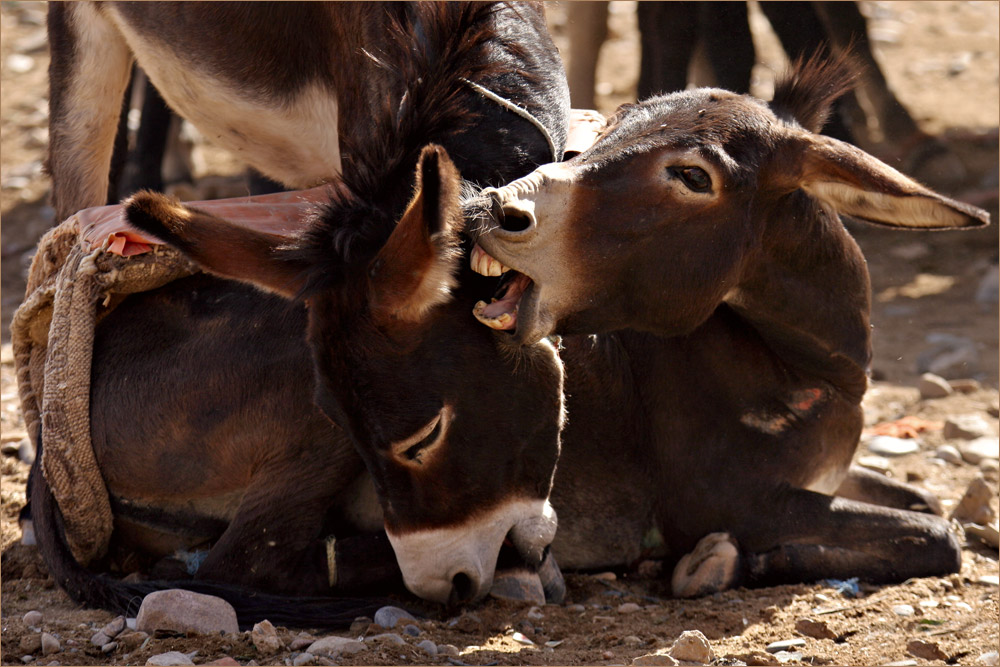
232 454
289 87
713 420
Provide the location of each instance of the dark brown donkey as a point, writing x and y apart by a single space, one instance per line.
203 416
282 85
699 239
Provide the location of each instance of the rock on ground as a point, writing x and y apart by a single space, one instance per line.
184 611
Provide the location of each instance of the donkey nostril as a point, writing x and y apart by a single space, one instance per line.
514 221
462 589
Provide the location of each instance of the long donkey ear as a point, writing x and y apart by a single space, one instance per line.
414 270
859 185
218 246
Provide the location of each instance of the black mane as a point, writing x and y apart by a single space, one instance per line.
431 48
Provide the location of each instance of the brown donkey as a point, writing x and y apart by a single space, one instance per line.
203 416
289 87
699 239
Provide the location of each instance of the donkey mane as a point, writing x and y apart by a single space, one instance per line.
452 40
806 92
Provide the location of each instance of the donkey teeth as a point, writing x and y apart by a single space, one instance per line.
483 264
492 322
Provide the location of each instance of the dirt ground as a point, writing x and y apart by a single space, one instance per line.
935 307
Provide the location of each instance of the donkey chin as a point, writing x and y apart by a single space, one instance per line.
456 564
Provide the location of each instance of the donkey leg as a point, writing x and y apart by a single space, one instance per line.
88 74
872 487
275 541
807 536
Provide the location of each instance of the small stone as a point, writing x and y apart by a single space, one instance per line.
109 647
224 661
921 648
929 604
605 576
27 658
265 638
129 641
692 646
50 644
903 610
26 451
966 427
428 647
184 611
990 534
974 507
787 656
814 629
389 616
303 659
520 638
576 608
18 63
989 580
991 659
758 658
535 614
449 650
99 638
389 637
988 290
169 658
632 640
948 453
130 623
33 619
519 585
115 627
334 646
901 663
989 465
359 626
30 643
628 608
933 386
976 450
886 445
411 630
784 645
302 640
653 660
876 463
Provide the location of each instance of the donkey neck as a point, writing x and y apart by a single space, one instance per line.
807 294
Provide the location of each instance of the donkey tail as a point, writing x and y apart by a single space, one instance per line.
105 592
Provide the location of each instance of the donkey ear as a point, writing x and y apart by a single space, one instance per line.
414 270
859 185
218 246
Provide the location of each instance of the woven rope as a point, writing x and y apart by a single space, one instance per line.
52 334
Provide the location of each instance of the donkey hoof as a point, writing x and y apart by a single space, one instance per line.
713 566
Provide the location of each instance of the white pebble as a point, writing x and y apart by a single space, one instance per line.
903 610
948 453
428 647
303 659
628 608
33 619
991 659
784 645
20 63
886 445
50 644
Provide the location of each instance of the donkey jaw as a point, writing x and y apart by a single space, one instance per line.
514 289
435 561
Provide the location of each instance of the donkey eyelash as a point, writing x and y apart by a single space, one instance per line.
410 451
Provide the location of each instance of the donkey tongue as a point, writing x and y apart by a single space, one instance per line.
502 313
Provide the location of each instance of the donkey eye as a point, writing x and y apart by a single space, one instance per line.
413 450
695 178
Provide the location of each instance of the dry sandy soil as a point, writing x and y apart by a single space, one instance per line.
942 60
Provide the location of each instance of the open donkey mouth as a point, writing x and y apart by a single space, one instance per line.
501 312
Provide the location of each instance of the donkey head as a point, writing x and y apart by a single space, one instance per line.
458 428
679 201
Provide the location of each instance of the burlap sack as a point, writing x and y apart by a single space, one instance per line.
70 288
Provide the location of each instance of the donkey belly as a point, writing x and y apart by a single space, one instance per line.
293 140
